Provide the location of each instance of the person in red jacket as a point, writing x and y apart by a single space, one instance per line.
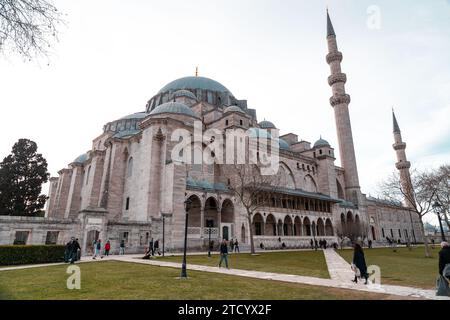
107 248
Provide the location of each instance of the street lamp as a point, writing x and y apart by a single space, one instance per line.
187 207
437 208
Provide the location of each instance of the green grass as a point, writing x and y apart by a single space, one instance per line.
303 263
123 281
404 267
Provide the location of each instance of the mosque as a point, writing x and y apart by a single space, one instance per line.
128 186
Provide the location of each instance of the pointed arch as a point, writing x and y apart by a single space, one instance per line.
329 228
310 184
306 227
340 190
271 226
320 227
285 177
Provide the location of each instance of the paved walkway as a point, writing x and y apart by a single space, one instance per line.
340 273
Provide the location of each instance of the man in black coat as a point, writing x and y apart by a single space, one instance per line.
360 262
444 256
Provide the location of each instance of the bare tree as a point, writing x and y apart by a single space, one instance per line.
253 190
440 178
28 27
418 195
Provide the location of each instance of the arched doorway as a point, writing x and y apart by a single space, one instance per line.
297 226
91 236
306 227
329 228
280 227
320 228
227 219
374 237
211 213
271 226
194 220
287 227
314 228
258 225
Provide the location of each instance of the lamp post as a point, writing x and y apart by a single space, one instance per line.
437 208
209 241
187 207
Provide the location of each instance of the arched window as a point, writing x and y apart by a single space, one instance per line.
310 184
88 174
130 167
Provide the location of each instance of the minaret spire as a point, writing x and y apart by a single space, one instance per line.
340 101
330 29
403 165
396 127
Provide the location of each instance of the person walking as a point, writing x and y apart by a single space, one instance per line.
232 245
444 257
312 244
156 247
223 253
151 247
122 247
94 249
359 262
99 249
236 246
107 248
370 244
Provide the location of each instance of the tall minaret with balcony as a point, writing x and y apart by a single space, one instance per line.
403 164
340 101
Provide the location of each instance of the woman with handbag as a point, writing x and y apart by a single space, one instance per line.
359 263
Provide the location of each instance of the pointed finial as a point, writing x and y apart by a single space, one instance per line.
396 126
196 71
330 29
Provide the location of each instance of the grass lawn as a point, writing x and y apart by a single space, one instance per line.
404 267
304 263
123 281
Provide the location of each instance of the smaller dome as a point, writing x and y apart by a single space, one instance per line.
183 93
137 115
321 143
259 133
81 159
233 109
267 125
175 108
283 145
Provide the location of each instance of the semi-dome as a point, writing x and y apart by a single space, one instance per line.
267 125
194 83
321 143
81 159
233 109
137 115
183 93
175 108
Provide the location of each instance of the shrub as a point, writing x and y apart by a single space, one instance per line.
18 254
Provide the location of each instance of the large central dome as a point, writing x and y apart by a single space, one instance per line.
195 83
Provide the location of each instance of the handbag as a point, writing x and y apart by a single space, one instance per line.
442 287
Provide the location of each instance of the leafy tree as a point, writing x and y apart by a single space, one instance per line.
28 26
22 174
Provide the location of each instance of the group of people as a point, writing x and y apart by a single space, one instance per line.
322 243
72 251
153 247
97 248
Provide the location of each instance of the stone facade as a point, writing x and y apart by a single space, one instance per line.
130 187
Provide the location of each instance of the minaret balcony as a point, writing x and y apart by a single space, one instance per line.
399 146
336 78
403 165
340 99
334 56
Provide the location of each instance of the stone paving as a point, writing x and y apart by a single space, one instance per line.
339 270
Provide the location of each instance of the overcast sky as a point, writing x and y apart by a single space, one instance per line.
114 55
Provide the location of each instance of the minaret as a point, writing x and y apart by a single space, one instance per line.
340 101
403 164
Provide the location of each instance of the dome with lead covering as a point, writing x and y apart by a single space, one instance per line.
234 109
321 143
81 159
183 93
194 83
174 108
267 125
